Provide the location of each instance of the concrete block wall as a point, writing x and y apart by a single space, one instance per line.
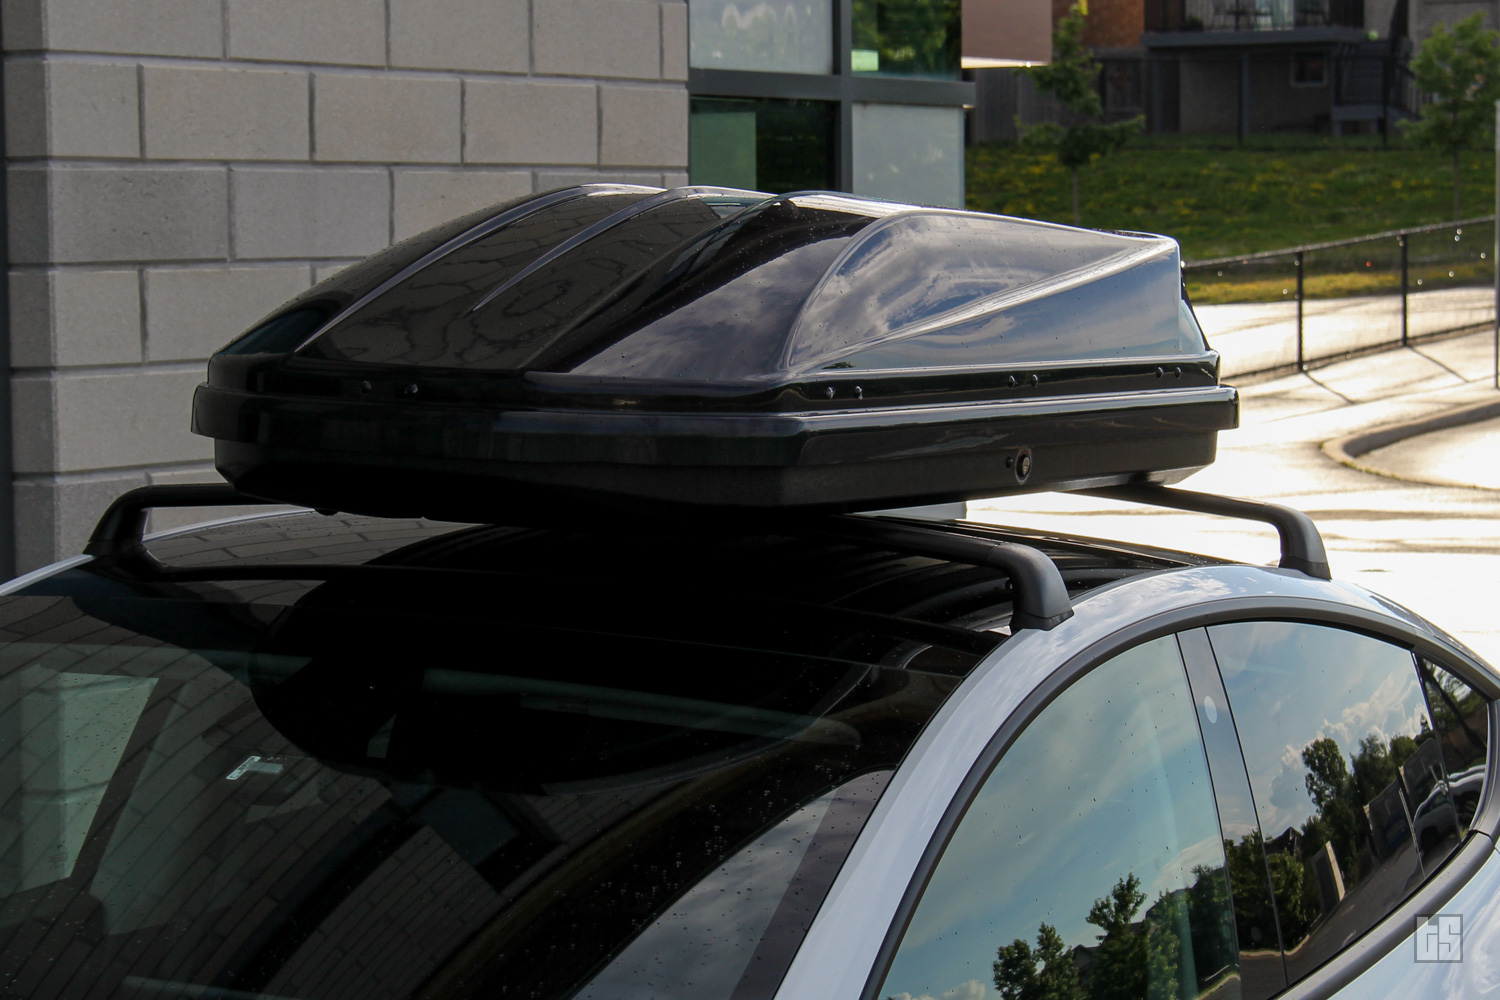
178 168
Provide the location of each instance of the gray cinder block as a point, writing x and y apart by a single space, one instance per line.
598 38
282 212
385 118
347 32
201 113
193 311
515 122
127 27
485 35
81 423
643 126
74 316
674 40
81 214
70 108
425 198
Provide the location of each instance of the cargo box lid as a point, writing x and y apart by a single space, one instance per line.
703 348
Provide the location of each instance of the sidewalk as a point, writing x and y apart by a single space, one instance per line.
1433 547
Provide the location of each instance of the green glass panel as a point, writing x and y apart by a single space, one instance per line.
763 145
907 37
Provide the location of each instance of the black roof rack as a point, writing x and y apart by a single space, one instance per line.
1301 544
122 528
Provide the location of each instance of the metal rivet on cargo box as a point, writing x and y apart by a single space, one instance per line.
1010 380
859 392
364 387
1009 461
1160 372
1035 379
1177 373
411 389
829 391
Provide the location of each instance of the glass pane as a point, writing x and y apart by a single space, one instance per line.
908 153
907 37
1460 716
1262 973
1334 729
761 145
1090 864
783 36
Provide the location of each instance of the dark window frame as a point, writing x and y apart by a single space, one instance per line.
843 88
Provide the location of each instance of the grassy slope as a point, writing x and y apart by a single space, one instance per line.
1217 202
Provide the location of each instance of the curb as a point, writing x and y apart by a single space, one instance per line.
1347 450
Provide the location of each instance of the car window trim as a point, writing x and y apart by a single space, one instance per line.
1236 609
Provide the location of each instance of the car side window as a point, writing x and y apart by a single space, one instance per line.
1347 775
1460 717
1090 863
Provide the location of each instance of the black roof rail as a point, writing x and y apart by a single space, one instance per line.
1301 544
123 527
1041 597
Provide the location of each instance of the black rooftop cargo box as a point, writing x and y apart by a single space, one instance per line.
710 349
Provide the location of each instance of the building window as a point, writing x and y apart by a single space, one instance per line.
854 95
795 37
909 153
1309 69
762 145
906 38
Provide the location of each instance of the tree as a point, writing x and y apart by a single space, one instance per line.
1018 977
1073 76
1459 69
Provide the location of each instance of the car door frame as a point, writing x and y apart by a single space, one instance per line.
853 940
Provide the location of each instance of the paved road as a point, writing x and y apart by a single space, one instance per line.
1435 549
1457 456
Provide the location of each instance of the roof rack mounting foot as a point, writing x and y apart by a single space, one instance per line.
1301 544
1041 600
121 531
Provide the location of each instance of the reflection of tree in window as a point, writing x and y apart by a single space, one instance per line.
913 37
1181 947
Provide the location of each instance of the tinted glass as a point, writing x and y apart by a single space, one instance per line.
737 293
1090 863
1339 749
907 37
992 288
909 153
428 320
1262 972
366 275
787 36
762 145
379 806
1460 716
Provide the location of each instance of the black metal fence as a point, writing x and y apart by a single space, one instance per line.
1298 308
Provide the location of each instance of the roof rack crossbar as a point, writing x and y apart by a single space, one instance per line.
1301 544
1041 600
122 529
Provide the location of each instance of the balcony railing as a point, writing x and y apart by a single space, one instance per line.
1252 15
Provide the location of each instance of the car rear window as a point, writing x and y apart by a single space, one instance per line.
407 781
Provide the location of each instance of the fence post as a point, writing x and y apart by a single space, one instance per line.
1402 240
1301 358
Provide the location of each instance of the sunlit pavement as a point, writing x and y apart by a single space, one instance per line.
1433 548
1255 336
